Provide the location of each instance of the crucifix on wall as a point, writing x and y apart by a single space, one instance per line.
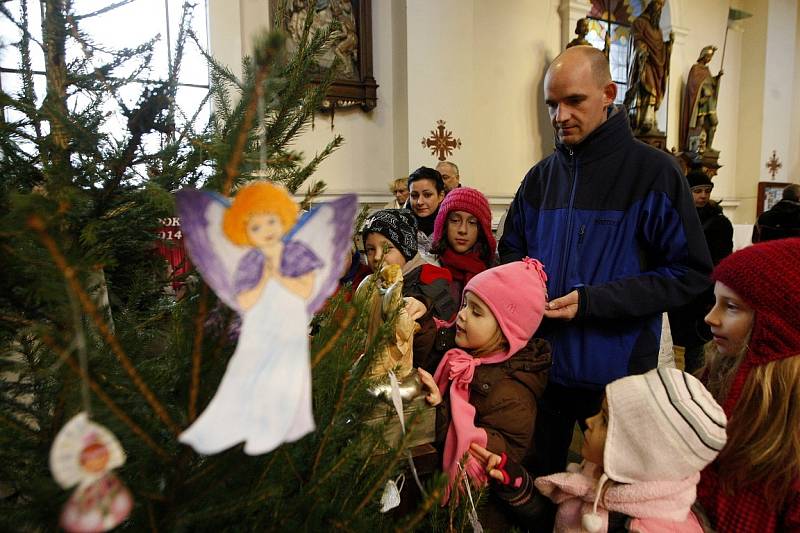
441 141
773 164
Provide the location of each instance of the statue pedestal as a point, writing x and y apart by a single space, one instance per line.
656 139
708 162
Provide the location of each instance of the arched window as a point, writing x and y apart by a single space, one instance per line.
610 24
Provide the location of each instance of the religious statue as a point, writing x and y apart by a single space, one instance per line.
649 69
699 109
581 29
383 293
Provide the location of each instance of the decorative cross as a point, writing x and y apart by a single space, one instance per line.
441 142
773 164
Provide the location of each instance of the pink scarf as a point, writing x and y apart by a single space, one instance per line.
654 505
457 368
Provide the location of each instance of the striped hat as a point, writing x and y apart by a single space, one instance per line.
662 426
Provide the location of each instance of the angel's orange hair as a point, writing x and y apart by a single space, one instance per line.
254 199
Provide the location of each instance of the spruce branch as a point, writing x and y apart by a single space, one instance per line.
105 398
320 355
197 354
36 223
106 9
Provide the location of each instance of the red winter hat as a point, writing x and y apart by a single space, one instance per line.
473 202
767 277
515 293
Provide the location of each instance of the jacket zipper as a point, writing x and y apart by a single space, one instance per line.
581 233
570 210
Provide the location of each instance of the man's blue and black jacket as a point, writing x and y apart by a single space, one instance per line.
613 218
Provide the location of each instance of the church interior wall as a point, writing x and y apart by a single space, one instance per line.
479 65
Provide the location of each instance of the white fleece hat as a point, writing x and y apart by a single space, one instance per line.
662 426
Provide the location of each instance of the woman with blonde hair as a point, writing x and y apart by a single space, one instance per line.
399 189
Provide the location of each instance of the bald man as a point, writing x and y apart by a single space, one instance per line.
614 223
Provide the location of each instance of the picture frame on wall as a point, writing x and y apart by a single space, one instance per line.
355 85
769 194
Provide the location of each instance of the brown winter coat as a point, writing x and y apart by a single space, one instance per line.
505 397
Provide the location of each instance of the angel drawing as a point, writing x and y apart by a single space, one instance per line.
275 271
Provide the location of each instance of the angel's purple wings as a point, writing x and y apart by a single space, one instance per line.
319 241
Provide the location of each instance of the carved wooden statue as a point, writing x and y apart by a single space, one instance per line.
649 69
699 108
384 301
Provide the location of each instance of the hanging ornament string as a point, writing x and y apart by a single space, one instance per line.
79 342
262 149
398 406
472 513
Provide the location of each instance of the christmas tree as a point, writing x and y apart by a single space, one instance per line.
86 323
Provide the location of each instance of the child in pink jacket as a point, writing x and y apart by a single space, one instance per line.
643 453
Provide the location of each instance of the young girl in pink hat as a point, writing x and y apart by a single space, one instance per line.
487 387
462 235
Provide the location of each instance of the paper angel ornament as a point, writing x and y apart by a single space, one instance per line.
83 454
275 271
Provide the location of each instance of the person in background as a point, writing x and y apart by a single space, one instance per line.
462 236
689 331
449 172
782 220
399 189
426 192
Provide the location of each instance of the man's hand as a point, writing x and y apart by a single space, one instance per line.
415 308
564 308
434 398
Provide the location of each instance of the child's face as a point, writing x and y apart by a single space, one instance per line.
476 327
462 231
594 438
264 229
374 247
730 320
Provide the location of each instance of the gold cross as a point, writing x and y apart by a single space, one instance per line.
441 142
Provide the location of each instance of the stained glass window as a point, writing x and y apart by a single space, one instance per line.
610 25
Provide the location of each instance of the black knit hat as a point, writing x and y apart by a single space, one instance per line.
397 225
698 178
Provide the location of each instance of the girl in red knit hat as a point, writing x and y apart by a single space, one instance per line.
462 235
491 381
753 370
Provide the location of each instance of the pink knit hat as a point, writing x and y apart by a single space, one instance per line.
473 202
515 293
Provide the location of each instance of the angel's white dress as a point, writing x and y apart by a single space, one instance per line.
274 412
